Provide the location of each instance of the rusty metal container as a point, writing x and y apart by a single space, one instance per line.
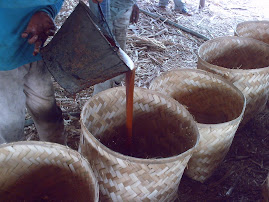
83 52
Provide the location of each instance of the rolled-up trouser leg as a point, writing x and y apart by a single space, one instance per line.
179 5
12 105
102 86
120 24
2 140
105 6
163 3
41 104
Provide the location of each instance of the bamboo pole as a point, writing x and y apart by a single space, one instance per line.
174 24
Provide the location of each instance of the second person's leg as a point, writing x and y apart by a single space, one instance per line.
120 16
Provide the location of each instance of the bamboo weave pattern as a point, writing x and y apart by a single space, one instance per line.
254 29
34 171
125 178
242 61
216 105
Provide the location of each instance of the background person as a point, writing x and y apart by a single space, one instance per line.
118 14
179 6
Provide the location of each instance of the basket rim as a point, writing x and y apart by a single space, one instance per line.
63 148
130 158
42 144
222 38
199 71
249 22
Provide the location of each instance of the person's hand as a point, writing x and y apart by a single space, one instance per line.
39 28
135 14
97 1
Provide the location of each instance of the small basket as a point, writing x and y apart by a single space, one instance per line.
42 171
217 106
242 61
253 29
164 138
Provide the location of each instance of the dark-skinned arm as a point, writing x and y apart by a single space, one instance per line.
41 26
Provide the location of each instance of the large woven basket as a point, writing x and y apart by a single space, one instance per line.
265 191
217 106
244 62
253 29
164 138
42 171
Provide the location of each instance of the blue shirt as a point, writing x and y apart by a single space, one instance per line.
15 51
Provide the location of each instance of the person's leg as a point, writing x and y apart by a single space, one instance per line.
105 6
2 140
163 3
41 104
181 7
102 86
12 105
120 26
120 18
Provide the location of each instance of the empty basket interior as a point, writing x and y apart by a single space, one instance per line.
207 97
235 53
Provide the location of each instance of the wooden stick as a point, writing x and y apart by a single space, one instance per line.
174 24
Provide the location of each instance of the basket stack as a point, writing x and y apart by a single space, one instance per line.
164 138
42 171
217 106
242 61
253 29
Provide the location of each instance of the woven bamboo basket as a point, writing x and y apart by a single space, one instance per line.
244 62
164 138
217 106
265 190
253 29
42 171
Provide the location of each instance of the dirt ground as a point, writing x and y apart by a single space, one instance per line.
156 47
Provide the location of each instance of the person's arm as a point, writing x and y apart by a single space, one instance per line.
54 9
27 3
41 25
